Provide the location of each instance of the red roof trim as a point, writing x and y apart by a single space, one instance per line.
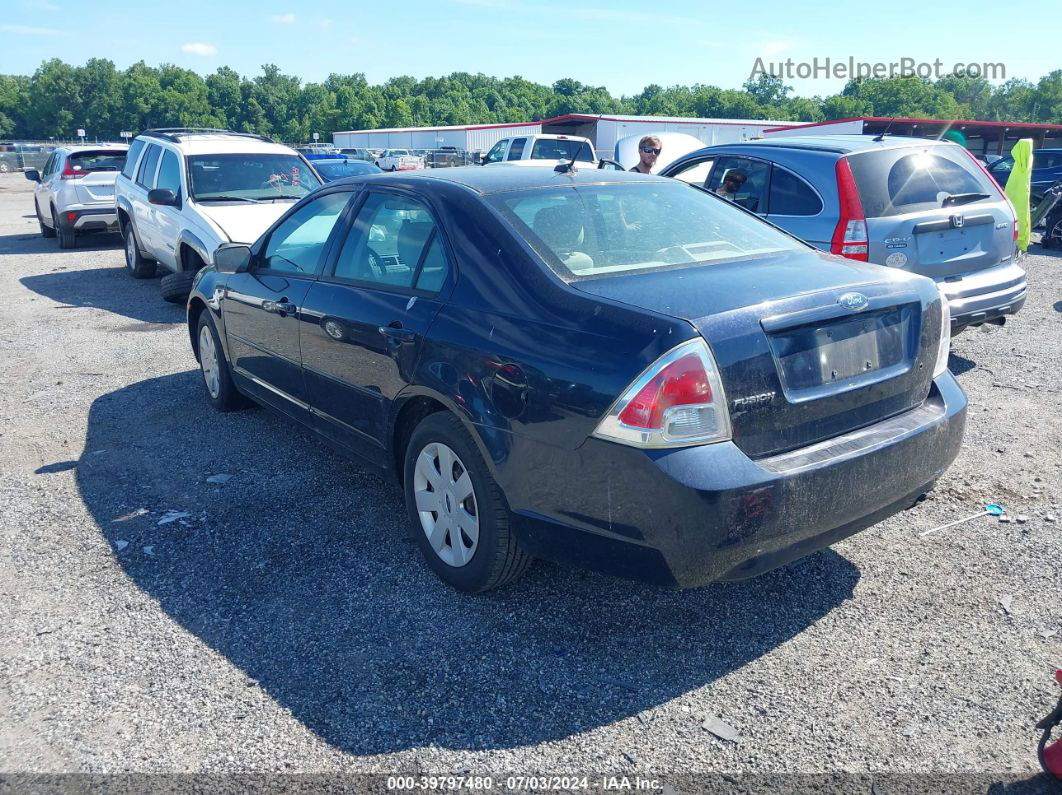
1024 125
650 119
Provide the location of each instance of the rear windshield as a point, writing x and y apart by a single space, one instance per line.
590 231
898 181
553 149
96 161
251 177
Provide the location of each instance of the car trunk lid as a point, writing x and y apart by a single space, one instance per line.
96 187
808 346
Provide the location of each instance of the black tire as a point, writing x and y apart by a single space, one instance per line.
498 558
137 264
175 287
228 397
394 169
46 231
67 237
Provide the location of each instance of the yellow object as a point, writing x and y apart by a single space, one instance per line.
1019 188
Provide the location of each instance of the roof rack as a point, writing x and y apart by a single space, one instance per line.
178 134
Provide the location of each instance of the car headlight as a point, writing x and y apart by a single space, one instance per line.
944 348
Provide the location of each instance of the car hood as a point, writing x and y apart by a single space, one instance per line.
244 223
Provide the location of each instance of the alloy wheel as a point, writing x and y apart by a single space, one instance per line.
130 250
446 504
208 360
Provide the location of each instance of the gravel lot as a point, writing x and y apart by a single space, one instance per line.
286 623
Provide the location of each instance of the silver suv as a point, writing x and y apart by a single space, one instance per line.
184 192
922 206
74 195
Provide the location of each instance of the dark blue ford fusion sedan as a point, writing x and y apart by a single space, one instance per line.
613 370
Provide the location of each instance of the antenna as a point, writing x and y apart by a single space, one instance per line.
569 168
884 132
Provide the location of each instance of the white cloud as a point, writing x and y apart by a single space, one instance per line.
41 5
199 48
321 23
283 19
27 30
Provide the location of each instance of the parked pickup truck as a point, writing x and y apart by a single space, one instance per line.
399 160
540 150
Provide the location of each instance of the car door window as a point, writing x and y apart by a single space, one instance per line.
497 152
146 177
49 167
696 172
170 174
297 244
130 159
393 243
741 180
790 195
517 149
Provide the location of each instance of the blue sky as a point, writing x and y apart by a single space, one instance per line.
619 44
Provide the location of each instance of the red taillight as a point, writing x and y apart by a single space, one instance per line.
1002 193
677 401
682 383
850 237
72 172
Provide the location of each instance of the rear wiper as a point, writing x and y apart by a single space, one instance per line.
963 198
225 199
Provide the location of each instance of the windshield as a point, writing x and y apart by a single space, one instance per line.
97 161
556 149
585 232
896 181
251 177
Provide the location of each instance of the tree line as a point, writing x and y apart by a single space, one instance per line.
58 98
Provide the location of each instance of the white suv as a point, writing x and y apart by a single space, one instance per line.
184 192
541 150
74 194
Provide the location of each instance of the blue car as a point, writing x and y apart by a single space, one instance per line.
1047 169
618 371
331 170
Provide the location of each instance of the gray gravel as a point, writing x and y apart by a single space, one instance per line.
157 617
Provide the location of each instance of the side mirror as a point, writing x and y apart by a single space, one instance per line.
33 175
232 258
483 160
163 197
609 165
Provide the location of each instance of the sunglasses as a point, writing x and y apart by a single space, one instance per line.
650 150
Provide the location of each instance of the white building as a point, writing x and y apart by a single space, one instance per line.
602 130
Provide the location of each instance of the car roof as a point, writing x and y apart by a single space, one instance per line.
841 144
222 145
91 147
498 179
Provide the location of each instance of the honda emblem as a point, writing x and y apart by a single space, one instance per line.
957 221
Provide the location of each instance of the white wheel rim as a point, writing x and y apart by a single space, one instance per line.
130 250
446 504
208 359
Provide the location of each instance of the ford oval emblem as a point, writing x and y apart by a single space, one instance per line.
853 301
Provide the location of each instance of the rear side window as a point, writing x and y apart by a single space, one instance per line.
1047 160
147 168
130 158
790 195
517 149
97 161
897 181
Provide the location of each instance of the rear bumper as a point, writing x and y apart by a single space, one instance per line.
695 515
90 219
984 296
